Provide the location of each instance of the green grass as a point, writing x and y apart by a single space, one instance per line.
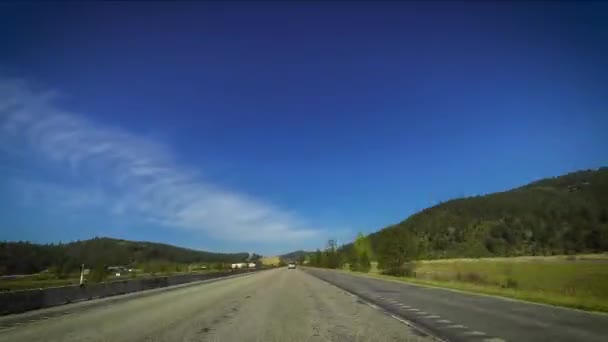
573 281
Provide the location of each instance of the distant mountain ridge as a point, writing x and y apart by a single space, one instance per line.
26 258
294 256
559 215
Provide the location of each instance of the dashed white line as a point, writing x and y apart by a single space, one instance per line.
493 339
412 309
421 313
444 321
415 327
475 333
372 306
456 326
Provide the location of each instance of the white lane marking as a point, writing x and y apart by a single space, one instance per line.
437 339
475 333
400 319
412 309
456 326
493 339
444 321
409 324
433 316
421 313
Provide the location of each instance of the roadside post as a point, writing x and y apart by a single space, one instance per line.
82 275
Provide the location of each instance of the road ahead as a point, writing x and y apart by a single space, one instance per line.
459 316
279 305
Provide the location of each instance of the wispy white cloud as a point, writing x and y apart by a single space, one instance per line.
129 175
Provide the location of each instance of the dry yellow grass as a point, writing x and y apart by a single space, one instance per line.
270 261
579 281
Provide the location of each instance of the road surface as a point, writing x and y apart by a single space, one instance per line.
459 316
278 305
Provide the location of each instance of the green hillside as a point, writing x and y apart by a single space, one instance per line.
294 256
27 258
561 215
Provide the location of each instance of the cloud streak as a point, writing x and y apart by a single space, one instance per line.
130 175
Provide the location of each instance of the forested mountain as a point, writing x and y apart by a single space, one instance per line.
560 215
26 258
567 214
294 256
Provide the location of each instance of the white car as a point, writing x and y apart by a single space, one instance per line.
291 266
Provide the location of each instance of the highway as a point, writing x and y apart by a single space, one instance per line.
459 316
276 305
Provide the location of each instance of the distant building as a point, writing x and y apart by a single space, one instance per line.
239 265
117 270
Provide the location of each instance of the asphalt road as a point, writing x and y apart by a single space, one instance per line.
277 305
459 316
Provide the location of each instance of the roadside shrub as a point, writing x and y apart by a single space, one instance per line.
406 270
471 277
511 283
364 263
98 274
409 269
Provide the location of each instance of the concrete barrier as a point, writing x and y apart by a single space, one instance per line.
26 300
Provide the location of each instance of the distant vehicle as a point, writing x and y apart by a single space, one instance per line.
291 266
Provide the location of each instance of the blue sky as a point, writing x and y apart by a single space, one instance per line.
271 127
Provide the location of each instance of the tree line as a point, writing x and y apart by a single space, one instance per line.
560 215
29 258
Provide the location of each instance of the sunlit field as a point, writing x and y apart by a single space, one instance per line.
579 281
270 261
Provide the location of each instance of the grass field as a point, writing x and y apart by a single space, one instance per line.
40 281
579 281
270 261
